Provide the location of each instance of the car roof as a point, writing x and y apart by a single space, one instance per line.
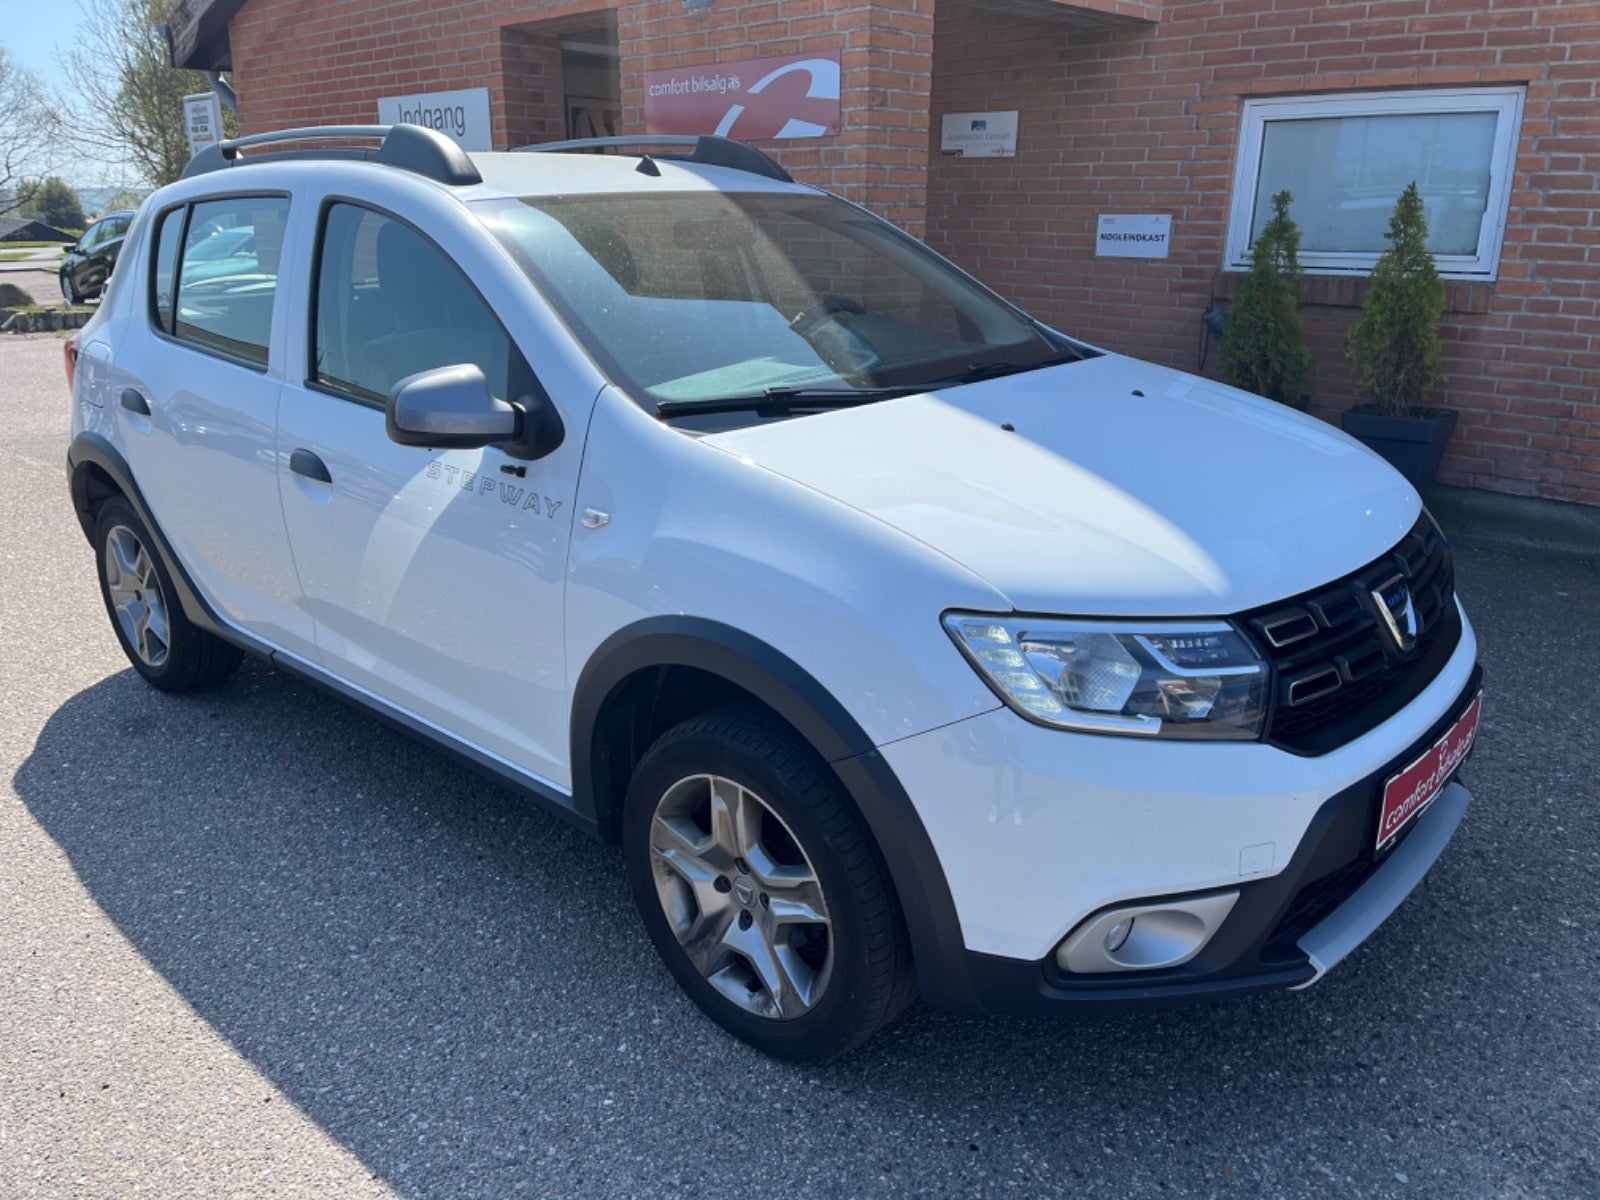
523 174
671 163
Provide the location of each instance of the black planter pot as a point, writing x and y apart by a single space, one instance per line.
1414 446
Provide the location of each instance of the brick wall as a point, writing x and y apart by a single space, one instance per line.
303 62
529 105
880 157
307 62
1144 117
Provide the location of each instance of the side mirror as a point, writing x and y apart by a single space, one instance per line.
451 408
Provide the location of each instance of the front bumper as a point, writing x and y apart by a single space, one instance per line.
1034 831
1285 931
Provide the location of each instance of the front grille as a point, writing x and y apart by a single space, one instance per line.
1339 665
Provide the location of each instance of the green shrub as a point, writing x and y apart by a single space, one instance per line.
1394 345
1263 348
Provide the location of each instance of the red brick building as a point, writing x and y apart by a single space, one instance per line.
1193 111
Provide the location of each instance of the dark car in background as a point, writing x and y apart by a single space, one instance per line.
89 264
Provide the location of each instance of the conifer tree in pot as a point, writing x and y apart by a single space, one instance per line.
1394 346
1263 347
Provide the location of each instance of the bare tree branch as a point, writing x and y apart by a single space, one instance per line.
125 98
28 130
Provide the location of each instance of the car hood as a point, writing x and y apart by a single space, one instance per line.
1105 487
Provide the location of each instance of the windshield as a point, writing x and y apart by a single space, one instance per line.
691 297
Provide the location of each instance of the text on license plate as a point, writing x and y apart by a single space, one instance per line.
1405 795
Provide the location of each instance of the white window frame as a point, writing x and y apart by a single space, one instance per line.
1506 102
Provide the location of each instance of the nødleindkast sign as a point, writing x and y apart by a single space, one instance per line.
1133 235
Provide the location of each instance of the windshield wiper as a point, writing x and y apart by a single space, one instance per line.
786 399
981 371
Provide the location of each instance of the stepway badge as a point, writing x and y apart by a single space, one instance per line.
1133 235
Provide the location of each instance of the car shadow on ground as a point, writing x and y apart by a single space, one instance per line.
456 987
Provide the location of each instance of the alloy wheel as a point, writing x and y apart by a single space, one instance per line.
136 598
741 897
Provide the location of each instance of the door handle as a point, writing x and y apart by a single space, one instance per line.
303 462
133 401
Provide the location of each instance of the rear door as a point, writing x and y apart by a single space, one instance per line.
199 371
435 577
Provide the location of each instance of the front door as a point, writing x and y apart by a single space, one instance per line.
435 578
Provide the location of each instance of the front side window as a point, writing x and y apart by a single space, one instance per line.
1346 159
391 304
690 297
223 304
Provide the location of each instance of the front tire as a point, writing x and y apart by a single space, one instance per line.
163 645
69 289
761 889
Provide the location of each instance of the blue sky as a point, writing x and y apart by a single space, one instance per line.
33 33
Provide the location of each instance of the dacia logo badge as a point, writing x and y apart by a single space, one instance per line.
1392 599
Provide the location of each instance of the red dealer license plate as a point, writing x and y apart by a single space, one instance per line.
1416 787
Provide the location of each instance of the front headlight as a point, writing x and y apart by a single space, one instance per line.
1191 679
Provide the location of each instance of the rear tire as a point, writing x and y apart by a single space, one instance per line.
164 646
761 888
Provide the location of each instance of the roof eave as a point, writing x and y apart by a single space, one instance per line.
197 34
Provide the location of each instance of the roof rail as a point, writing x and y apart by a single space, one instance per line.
707 149
414 148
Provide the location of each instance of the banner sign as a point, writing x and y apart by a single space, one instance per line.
978 135
756 99
1133 235
461 115
202 117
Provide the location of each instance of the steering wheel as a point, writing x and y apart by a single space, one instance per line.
828 305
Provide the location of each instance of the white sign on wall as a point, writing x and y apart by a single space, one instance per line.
462 115
202 117
979 135
1133 235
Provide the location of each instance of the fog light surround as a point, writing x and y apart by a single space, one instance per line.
1145 937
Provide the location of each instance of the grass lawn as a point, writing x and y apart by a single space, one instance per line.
32 245
13 255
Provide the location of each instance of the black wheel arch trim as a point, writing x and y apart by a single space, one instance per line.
93 449
938 950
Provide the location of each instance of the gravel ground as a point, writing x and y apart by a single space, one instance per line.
254 943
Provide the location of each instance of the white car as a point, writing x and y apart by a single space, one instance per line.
905 644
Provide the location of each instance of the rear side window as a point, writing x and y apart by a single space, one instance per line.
163 289
390 303
215 274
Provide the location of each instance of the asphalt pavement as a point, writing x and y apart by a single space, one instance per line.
37 274
253 943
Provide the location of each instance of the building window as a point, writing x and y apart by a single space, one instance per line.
1347 158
